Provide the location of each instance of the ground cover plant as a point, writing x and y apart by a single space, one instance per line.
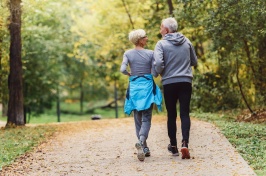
249 139
17 141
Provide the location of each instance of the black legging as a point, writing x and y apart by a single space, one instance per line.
172 93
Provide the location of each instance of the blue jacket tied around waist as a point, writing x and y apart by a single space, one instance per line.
141 93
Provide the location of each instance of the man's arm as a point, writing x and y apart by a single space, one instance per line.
193 56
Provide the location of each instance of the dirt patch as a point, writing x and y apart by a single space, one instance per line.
259 116
106 147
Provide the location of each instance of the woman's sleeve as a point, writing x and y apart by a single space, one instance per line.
158 58
153 71
124 65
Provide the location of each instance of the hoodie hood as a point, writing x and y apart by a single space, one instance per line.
175 38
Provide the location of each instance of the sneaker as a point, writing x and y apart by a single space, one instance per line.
185 151
147 151
173 150
141 154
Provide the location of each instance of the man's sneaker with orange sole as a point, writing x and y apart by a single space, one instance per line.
185 151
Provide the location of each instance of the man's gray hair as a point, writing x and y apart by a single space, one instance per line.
135 35
171 24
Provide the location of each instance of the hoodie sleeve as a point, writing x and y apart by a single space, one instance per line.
124 65
193 56
158 58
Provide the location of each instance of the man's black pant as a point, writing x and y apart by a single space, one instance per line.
181 92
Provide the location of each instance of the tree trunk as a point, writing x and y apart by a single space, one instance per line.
240 88
15 104
58 110
171 9
81 97
1 73
116 106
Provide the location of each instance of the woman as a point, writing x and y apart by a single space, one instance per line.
142 91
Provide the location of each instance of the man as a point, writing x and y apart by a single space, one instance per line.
174 56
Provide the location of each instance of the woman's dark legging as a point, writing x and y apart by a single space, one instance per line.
172 93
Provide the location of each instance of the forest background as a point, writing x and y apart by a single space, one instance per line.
72 51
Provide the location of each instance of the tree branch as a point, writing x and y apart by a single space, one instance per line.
240 87
129 16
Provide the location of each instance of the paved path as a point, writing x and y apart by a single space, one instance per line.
2 124
106 147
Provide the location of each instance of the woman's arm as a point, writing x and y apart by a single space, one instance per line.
153 71
158 58
124 65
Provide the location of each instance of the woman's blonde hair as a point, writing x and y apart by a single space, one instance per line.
135 35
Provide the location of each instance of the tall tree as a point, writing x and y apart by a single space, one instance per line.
15 104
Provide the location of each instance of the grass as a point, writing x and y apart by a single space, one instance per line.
73 114
19 140
51 116
248 139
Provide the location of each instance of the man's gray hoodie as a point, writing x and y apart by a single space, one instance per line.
174 56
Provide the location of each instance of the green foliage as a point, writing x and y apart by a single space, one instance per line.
240 34
153 15
213 92
249 139
76 47
4 53
223 31
17 141
45 46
